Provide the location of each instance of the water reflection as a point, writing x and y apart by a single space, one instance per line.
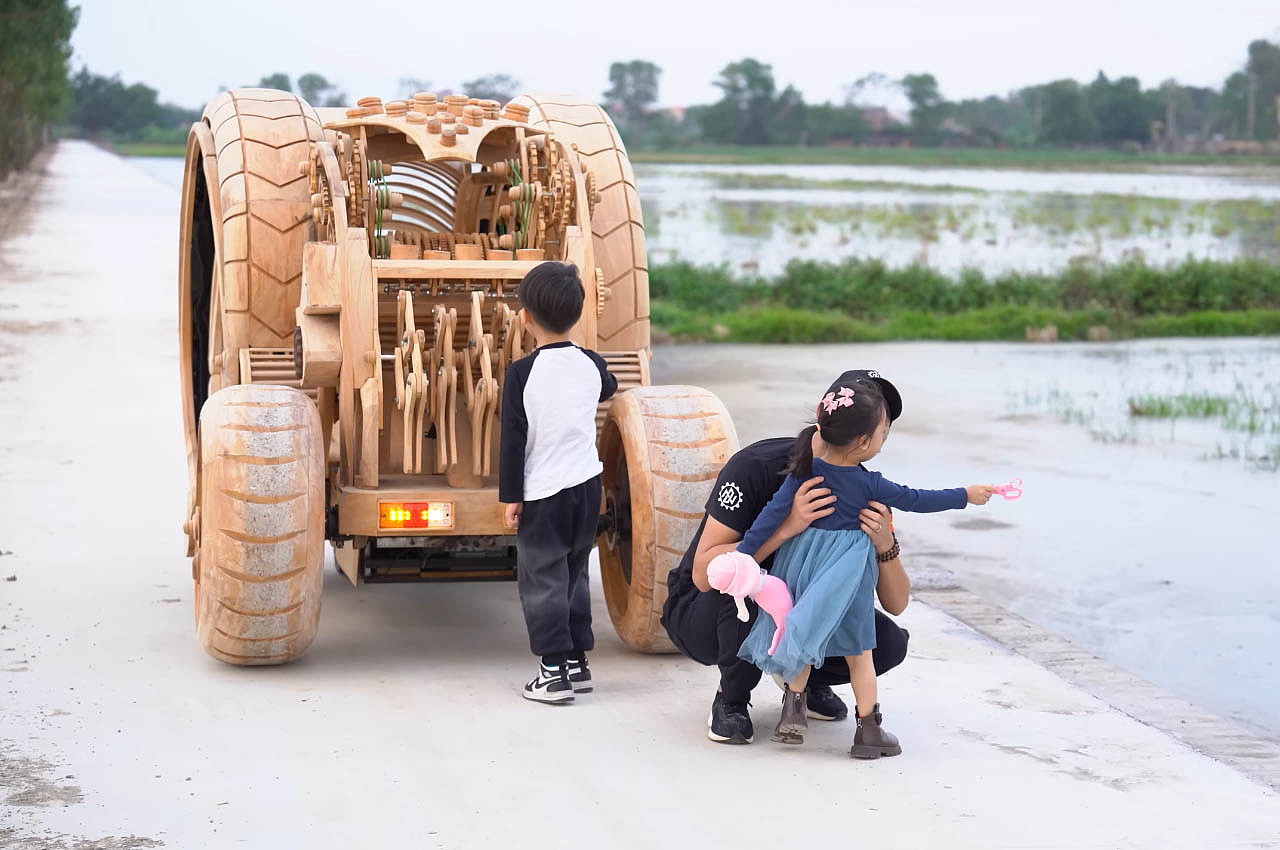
758 218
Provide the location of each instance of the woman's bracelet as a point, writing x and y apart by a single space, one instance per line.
891 553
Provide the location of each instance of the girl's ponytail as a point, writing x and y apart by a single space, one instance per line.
802 454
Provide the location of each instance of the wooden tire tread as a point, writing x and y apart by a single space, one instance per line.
260 135
677 439
617 228
262 524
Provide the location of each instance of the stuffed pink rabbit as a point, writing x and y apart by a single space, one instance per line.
738 575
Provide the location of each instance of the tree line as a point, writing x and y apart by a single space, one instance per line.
39 93
34 52
1118 113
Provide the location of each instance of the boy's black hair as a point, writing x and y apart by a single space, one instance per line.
842 425
552 293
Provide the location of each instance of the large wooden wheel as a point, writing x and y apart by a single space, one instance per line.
617 227
662 448
259 568
246 212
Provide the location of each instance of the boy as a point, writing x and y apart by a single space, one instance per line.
549 479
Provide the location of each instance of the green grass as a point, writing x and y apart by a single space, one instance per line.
150 149
866 301
1194 405
1035 158
1243 411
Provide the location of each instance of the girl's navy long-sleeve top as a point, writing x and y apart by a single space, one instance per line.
853 487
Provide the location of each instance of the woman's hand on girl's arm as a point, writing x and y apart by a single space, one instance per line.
893 588
811 502
877 522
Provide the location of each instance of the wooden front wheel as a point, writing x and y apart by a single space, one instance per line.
261 524
662 448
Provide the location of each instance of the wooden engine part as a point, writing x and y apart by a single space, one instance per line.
412 384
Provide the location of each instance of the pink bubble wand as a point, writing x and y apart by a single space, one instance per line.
1012 490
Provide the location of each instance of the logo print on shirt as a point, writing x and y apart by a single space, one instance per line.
730 496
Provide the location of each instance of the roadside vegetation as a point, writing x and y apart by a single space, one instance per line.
867 301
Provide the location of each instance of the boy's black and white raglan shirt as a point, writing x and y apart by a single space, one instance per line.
549 421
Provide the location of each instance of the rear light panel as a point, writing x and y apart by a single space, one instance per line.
433 515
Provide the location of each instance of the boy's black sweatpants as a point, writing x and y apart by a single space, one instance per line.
553 543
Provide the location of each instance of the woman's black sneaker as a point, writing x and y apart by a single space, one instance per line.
729 723
822 704
551 685
579 675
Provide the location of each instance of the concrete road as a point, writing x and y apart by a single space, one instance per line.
402 727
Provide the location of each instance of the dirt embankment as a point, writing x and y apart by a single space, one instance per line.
17 190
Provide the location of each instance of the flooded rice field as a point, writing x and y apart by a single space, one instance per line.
756 218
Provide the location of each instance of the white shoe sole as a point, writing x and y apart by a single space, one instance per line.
721 739
548 698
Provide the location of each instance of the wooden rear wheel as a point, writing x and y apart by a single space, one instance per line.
259 568
662 448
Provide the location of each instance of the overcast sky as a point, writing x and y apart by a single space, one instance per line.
188 50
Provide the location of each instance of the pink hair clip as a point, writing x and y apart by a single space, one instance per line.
829 402
845 392
1012 490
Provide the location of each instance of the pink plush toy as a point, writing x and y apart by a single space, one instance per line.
738 575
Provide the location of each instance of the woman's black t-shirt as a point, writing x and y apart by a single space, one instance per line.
745 485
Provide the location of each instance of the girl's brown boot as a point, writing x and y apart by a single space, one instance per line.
871 741
793 723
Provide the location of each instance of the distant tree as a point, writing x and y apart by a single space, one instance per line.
633 89
789 124
928 109
743 113
499 87
1263 73
996 120
318 91
1064 114
275 81
825 123
1120 110
102 105
870 86
1234 103
34 91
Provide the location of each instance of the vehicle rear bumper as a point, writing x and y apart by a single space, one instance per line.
475 511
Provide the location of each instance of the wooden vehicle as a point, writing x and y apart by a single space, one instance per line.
347 312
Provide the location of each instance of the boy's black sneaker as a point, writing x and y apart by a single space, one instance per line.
551 685
579 675
823 704
729 723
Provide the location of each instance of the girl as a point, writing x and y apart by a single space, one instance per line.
830 568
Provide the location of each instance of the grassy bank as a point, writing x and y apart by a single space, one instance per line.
149 149
865 301
1034 158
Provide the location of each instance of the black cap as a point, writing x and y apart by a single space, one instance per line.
891 398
